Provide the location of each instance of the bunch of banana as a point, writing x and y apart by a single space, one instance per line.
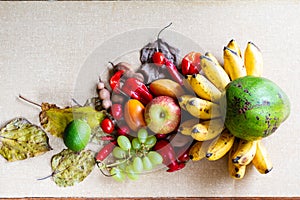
213 140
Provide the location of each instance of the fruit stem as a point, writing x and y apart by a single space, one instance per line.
29 101
76 102
53 173
117 163
158 35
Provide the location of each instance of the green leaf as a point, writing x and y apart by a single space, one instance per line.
71 167
54 119
19 139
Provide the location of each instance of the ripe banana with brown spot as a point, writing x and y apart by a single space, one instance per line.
182 100
233 64
185 127
220 145
236 171
253 60
204 88
261 160
202 109
197 151
214 72
245 152
234 46
213 58
207 130
187 83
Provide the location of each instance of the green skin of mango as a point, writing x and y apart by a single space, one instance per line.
254 107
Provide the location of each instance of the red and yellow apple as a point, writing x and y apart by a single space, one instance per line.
162 115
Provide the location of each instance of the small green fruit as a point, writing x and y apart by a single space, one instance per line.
255 107
77 134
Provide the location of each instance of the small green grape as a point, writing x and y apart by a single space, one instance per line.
117 174
124 142
147 165
155 157
130 173
136 144
142 135
119 153
122 166
150 141
137 165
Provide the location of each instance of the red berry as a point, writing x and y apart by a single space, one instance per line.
161 136
158 59
107 125
116 111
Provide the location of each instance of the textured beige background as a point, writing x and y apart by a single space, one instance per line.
43 46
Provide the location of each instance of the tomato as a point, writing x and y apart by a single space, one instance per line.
190 64
134 114
107 125
158 59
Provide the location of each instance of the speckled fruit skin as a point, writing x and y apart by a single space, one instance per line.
254 106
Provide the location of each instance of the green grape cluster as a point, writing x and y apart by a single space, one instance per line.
134 156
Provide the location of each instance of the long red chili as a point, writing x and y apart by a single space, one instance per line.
172 69
165 149
137 90
105 151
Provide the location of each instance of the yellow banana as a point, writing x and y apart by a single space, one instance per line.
207 130
188 78
234 46
253 60
236 171
204 88
185 127
213 58
187 83
197 152
261 160
245 152
233 64
202 109
220 145
182 100
215 73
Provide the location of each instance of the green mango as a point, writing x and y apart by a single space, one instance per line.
254 107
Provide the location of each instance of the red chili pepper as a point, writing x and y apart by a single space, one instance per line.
107 138
114 81
172 69
165 149
105 151
137 90
123 130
